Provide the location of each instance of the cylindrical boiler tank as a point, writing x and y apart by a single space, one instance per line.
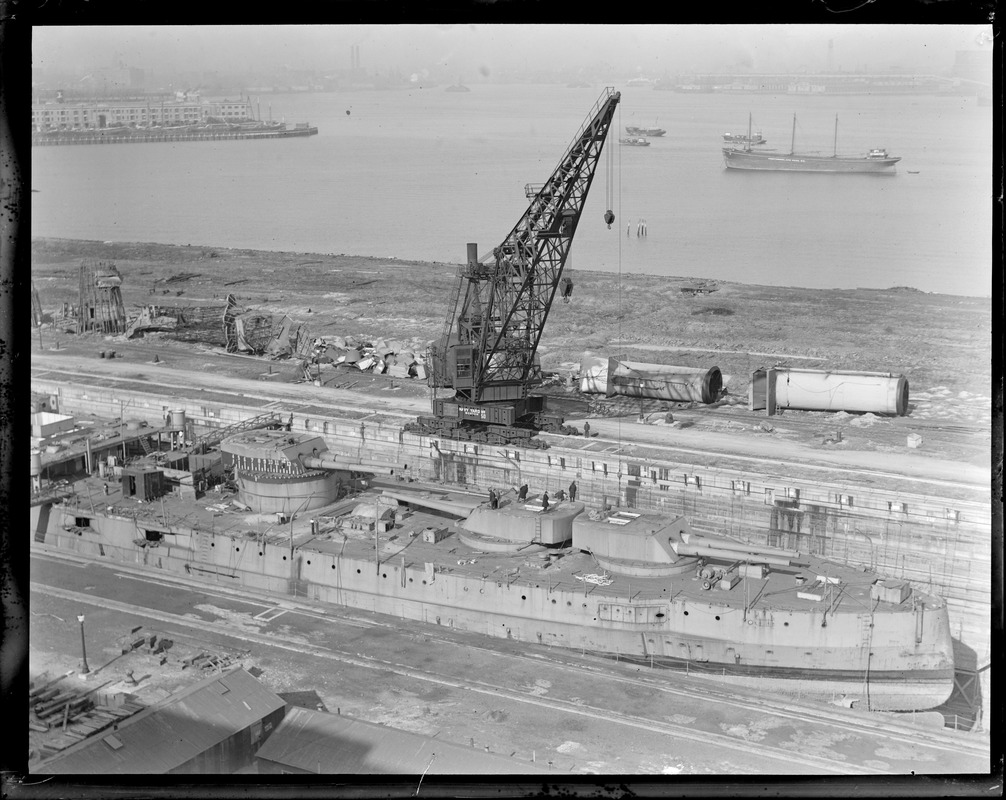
36 463
177 420
660 382
818 390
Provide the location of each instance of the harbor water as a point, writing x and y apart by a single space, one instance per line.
415 174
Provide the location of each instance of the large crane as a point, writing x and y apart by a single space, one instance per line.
488 351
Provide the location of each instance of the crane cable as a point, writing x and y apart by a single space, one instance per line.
619 229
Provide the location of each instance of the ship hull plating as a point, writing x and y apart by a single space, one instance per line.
767 648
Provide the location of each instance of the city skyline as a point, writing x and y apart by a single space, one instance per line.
494 52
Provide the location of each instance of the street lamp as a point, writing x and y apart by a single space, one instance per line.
83 647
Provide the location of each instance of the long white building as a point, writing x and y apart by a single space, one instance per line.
112 113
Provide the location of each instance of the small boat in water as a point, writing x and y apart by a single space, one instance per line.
635 141
740 138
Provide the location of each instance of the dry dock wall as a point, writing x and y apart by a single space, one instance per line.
937 541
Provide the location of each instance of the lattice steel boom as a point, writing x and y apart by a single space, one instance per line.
488 351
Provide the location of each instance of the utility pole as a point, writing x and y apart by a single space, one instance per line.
83 648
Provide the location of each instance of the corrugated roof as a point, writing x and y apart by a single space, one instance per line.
329 744
173 731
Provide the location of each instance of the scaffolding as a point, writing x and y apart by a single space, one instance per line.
100 305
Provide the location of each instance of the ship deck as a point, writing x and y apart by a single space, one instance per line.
795 588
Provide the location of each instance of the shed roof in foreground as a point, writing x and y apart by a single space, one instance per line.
330 744
173 731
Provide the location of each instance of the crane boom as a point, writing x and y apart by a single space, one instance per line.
488 350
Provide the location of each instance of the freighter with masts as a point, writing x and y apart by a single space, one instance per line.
877 160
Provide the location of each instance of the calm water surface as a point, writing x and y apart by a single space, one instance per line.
416 174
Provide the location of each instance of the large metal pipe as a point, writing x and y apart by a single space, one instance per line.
678 384
613 376
820 390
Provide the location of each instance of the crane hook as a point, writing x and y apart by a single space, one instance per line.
609 217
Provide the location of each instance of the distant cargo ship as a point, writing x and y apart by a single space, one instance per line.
876 161
635 141
632 130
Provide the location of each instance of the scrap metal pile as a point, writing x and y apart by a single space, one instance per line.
381 357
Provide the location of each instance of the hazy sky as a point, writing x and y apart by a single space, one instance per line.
485 49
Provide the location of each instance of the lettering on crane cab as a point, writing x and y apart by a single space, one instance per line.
473 411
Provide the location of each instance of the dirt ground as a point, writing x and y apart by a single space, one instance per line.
940 343
933 339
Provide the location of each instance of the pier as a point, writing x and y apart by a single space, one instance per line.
136 136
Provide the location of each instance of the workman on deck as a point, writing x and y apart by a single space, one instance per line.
544 501
522 492
572 490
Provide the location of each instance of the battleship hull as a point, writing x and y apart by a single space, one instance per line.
896 659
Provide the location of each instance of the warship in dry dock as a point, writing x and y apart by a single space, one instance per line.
275 511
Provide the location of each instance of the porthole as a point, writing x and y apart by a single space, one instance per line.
686 613
786 624
717 617
260 552
238 550
553 602
213 544
358 572
284 558
568 603
466 588
383 574
584 605
424 582
523 597
333 567
309 562
410 579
